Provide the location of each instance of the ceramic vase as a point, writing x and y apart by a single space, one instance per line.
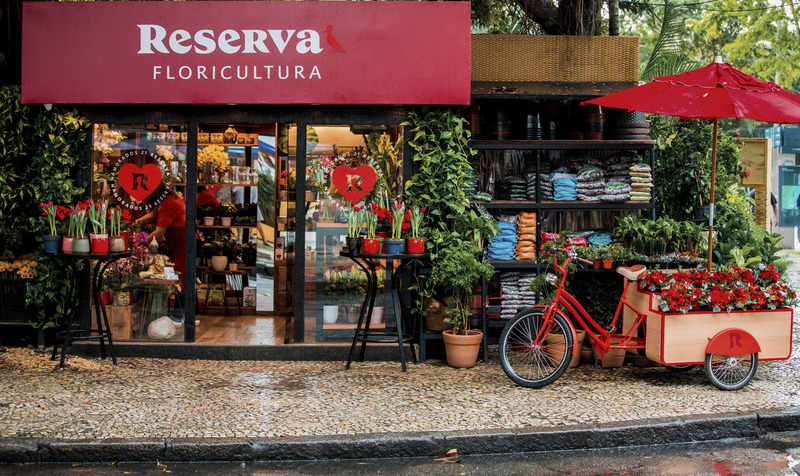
99 243
393 247
330 314
415 246
52 244
116 244
66 244
80 245
377 315
371 246
219 263
208 221
352 244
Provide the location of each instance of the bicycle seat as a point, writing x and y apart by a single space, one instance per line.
632 273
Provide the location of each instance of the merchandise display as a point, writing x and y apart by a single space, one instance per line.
565 187
545 185
591 183
511 188
600 238
503 246
641 182
526 236
516 292
616 191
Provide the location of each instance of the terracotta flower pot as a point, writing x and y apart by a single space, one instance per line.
371 246
462 350
612 358
608 264
415 246
576 359
597 264
99 243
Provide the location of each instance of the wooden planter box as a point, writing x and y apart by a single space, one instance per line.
677 338
538 64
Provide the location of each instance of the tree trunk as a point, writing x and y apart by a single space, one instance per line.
581 17
613 17
545 13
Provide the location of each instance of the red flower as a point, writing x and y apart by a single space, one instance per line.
747 173
422 209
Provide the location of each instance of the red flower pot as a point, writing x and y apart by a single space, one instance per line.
126 235
99 243
371 246
415 246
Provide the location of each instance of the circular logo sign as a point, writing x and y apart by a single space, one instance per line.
141 180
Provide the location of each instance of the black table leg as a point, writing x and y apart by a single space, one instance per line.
105 315
372 291
399 314
98 301
360 318
67 320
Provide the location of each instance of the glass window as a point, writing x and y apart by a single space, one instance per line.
140 171
366 163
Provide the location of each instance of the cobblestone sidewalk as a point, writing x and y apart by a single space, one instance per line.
157 398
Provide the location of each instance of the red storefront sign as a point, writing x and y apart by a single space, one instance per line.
246 52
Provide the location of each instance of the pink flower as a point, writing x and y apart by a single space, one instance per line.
747 173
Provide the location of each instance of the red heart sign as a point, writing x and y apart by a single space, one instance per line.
139 182
354 184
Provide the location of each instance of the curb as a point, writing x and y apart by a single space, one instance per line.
403 445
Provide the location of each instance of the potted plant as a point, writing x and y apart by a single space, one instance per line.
219 250
246 214
455 271
208 214
354 220
394 245
333 289
590 253
51 241
416 244
249 253
371 245
97 215
81 243
226 211
116 243
384 226
66 241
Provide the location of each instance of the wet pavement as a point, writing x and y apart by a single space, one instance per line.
184 399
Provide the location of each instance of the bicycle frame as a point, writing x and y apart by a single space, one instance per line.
603 337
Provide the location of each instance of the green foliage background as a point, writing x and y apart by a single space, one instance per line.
41 154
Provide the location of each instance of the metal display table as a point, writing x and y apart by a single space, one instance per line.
69 334
369 263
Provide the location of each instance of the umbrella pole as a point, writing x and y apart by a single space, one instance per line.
713 183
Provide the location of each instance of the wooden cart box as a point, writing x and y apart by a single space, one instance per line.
677 338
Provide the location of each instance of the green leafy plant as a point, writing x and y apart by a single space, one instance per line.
370 222
398 215
226 209
97 216
355 218
223 244
456 272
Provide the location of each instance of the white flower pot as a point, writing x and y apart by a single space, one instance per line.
330 314
225 221
219 262
208 221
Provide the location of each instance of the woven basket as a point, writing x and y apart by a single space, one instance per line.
546 58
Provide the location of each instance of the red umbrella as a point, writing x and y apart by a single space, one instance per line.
712 92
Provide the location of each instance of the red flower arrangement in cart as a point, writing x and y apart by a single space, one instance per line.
726 289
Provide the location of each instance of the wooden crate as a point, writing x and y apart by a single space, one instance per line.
120 318
677 338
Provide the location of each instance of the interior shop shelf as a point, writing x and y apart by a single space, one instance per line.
221 184
561 144
515 264
563 205
227 227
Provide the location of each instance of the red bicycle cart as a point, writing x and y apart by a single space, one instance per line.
538 343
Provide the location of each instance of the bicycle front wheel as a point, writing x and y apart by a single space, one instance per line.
731 372
534 352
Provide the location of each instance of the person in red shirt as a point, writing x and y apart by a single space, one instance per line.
171 224
206 197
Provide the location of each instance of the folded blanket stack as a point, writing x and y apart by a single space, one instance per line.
591 183
641 182
526 236
503 246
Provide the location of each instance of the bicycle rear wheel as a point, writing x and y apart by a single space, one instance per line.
535 363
